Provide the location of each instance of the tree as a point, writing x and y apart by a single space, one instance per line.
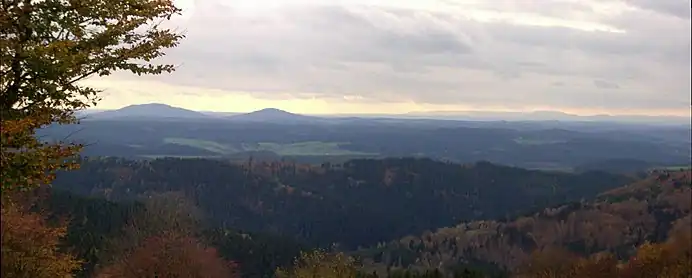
47 47
603 265
551 262
170 255
161 242
660 260
163 213
167 211
29 246
320 264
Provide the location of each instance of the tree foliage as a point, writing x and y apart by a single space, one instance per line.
26 162
47 47
665 260
672 258
616 222
167 212
170 255
30 246
161 241
320 264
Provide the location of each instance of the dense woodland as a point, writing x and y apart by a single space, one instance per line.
359 203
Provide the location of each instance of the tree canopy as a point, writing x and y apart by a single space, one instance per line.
47 47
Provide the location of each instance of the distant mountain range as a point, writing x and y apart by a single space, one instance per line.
164 111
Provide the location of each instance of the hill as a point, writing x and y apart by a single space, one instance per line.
621 166
273 115
619 220
147 111
358 203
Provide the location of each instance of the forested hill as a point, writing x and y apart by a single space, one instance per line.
100 231
656 209
359 203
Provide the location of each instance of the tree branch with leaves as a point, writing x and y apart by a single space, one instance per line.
47 47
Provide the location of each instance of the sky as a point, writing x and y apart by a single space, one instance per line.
396 56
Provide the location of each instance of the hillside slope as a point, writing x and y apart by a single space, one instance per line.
273 115
356 204
149 110
617 221
96 228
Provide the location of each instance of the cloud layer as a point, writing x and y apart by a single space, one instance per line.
620 55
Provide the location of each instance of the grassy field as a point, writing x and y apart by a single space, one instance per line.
308 148
202 144
535 141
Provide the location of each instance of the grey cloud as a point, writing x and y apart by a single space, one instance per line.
361 39
393 55
559 9
530 64
601 84
593 43
678 8
433 42
315 34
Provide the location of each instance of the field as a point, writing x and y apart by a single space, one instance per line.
534 141
308 148
202 144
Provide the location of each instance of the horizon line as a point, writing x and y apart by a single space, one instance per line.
417 113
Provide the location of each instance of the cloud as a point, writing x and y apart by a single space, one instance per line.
601 84
678 8
556 54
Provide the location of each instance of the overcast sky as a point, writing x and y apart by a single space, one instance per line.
396 56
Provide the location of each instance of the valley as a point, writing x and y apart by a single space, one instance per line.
275 135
